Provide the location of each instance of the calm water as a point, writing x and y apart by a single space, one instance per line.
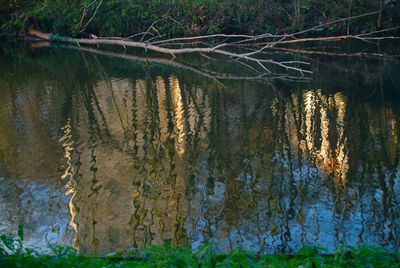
103 153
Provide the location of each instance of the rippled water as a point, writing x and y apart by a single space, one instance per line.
104 153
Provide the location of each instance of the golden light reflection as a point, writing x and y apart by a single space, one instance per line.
333 157
325 157
321 121
342 163
67 144
309 107
179 115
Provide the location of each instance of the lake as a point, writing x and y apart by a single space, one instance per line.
105 150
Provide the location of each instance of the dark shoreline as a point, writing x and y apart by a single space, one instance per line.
191 18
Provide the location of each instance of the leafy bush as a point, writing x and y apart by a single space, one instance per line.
186 17
14 254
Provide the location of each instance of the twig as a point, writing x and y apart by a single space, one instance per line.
212 36
334 22
91 18
334 54
326 38
84 13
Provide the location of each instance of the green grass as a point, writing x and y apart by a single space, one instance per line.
14 254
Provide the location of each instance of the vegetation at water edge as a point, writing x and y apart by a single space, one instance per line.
14 254
191 17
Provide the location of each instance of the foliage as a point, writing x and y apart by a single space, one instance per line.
186 17
14 254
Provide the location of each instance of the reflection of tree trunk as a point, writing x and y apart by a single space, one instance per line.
265 170
110 87
154 164
380 13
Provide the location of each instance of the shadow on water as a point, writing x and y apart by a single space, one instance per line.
104 153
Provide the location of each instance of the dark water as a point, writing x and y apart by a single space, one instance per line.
104 153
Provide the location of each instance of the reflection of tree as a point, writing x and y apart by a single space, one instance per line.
28 116
161 157
32 109
191 165
330 141
144 175
314 125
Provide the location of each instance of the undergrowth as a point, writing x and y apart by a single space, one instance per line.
13 253
190 17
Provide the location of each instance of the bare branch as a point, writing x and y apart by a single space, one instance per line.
221 44
192 38
94 14
171 51
335 54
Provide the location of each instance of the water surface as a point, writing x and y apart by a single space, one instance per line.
102 153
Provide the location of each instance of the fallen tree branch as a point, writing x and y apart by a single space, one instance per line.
254 60
217 49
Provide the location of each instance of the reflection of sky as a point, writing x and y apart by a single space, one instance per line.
157 160
40 206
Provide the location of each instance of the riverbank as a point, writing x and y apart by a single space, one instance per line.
207 256
13 253
188 18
